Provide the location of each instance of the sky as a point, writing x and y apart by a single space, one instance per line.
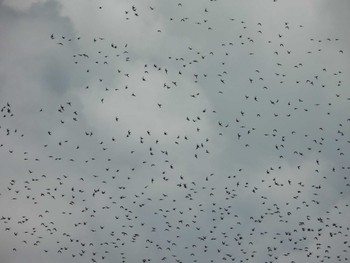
174 131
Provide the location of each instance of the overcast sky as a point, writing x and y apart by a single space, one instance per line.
174 131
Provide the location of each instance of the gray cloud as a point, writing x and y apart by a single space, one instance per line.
230 144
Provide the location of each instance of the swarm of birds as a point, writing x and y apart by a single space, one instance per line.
203 153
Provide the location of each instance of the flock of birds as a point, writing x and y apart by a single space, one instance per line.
158 172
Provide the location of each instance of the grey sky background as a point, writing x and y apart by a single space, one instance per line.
231 141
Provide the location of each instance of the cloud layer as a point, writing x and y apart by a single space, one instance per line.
206 131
